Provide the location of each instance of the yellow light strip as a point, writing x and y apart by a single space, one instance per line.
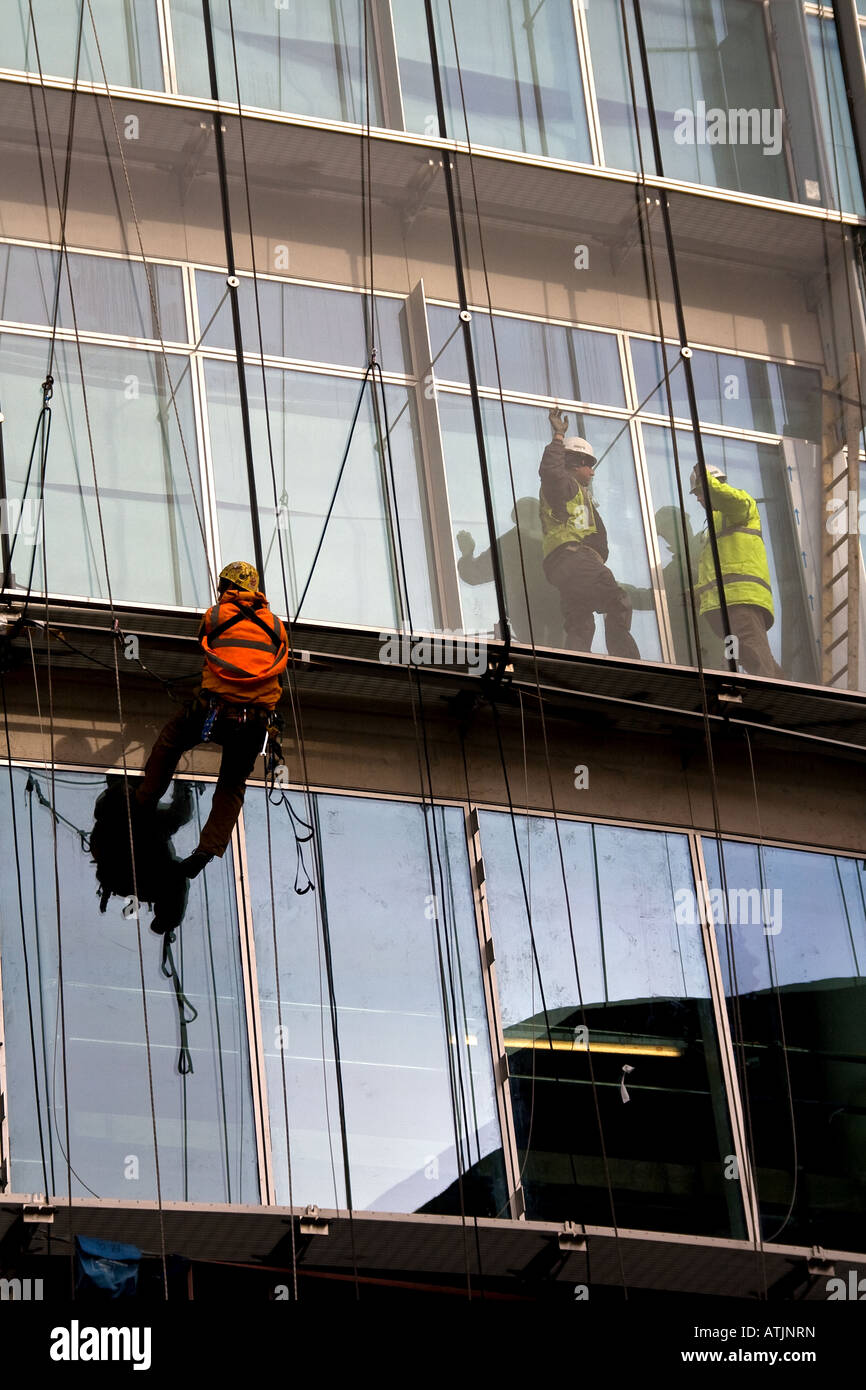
566 1045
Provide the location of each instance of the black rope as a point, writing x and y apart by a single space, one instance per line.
365 379
685 350
234 286
169 970
466 321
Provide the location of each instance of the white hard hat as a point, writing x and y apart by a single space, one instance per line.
713 472
576 445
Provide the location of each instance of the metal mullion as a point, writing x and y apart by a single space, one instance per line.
652 544
166 45
498 1054
387 64
255 1040
726 1047
593 121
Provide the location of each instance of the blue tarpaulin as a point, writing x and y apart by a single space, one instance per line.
106 1265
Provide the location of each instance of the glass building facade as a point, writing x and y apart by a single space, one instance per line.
477 1005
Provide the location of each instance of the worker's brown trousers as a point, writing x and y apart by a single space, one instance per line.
241 742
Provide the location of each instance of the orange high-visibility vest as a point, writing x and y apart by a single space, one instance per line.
243 641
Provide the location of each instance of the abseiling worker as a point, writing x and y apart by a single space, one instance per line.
246 648
745 572
575 546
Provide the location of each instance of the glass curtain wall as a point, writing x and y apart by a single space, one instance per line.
791 929
44 33
78 1097
608 1027
311 59
379 961
513 63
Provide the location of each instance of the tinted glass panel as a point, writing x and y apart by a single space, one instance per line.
519 69
357 576
147 496
308 59
742 392
641 975
205 1132
707 59
791 928
839 147
304 322
416 1066
518 522
109 296
128 40
543 359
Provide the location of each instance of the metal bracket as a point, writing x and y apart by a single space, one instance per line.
311 1223
818 1263
571 1238
38 1210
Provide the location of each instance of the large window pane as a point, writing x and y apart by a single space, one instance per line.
128 39
357 577
706 56
544 359
304 58
205 1131
305 322
641 974
838 136
791 928
519 68
741 392
109 296
760 470
518 524
148 499
415 1055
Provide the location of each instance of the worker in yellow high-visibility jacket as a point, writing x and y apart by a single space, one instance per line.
745 573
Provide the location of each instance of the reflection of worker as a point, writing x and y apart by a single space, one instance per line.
575 546
152 878
245 648
744 569
519 549
675 577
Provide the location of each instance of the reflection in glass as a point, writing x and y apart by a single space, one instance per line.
545 359
519 68
308 59
835 119
759 470
357 578
416 1065
205 1131
614 491
704 57
640 972
791 928
305 322
152 535
109 295
741 392
128 40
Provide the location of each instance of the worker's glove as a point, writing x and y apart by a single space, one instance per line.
558 421
465 543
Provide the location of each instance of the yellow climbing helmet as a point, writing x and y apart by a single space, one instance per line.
241 573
